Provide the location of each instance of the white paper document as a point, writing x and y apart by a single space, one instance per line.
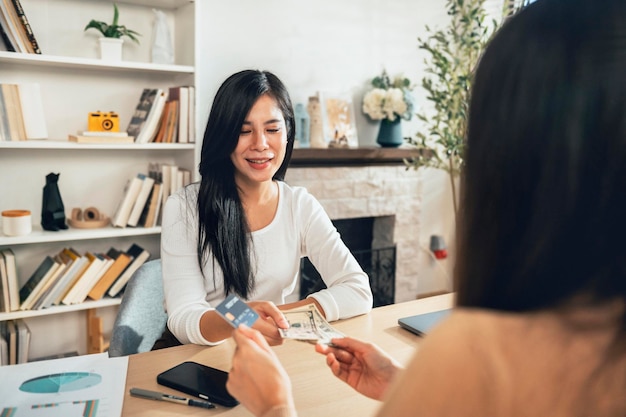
78 386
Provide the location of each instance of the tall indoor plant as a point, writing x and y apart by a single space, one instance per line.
453 53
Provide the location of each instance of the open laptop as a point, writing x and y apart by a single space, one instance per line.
421 324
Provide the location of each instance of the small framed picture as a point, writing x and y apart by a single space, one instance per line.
338 120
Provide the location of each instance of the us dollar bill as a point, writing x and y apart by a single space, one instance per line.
308 324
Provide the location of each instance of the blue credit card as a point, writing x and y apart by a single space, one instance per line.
236 312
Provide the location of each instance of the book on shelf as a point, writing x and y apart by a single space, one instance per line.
54 295
87 286
33 114
131 191
95 264
139 256
12 107
163 123
18 24
34 286
5 129
12 278
66 263
180 94
192 114
171 130
140 201
5 35
26 27
145 120
23 341
68 280
153 206
11 338
121 260
11 27
5 303
4 345
100 137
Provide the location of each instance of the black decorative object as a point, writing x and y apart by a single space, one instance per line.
52 210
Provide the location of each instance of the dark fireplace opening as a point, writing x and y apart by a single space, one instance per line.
371 242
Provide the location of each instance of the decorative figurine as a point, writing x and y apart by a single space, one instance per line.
303 126
52 210
317 124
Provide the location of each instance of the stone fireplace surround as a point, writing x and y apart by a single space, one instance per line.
369 182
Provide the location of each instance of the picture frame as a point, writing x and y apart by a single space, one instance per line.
339 125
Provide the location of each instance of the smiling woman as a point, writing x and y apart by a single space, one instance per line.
242 230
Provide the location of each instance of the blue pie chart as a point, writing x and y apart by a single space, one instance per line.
63 382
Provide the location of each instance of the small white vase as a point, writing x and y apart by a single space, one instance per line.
111 49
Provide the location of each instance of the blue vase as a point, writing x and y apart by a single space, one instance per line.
390 133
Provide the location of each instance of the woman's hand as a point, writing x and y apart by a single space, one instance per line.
363 366
257 379
270 320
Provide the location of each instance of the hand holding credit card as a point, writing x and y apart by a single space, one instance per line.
236 312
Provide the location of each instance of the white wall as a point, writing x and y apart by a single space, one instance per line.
330 45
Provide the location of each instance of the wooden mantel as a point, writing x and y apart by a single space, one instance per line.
335 157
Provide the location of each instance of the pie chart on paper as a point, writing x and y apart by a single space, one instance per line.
63 382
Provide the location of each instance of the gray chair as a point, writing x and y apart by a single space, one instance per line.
141 319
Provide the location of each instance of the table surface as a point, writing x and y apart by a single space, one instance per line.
317 392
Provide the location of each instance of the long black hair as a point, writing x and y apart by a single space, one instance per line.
223 227
542 218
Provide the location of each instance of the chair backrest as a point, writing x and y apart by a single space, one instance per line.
141 318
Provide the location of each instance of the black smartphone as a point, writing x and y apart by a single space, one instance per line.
199 380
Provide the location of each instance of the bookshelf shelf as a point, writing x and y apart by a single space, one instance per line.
38 235
87 305
65 145
89 63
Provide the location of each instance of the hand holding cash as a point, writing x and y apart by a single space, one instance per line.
305 323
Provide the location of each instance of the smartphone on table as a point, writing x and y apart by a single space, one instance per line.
199 380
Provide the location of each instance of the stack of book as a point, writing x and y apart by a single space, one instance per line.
22 115
15 29
145 194
71 278
164 116
14 342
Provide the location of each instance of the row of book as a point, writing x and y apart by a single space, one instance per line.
22 115
164 116
69 277
14 342
15 29
145 194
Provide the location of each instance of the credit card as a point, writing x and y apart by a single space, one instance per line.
236 312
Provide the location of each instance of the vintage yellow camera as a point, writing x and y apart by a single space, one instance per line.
103 122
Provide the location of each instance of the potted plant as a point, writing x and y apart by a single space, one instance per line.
453 55
389 101
111 40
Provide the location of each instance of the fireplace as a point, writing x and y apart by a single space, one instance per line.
369 186
361 236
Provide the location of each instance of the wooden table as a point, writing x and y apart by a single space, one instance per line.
317 392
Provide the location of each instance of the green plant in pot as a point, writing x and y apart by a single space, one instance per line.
113 30
111 40
452 56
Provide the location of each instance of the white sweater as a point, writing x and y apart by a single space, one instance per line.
300 228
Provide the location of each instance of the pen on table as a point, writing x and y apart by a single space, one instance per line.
159 396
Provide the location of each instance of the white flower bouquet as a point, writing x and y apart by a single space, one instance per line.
389 100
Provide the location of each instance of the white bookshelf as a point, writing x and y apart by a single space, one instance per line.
74 82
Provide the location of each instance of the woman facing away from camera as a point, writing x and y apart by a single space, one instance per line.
243 231
540 323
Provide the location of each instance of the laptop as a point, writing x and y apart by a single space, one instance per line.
421 324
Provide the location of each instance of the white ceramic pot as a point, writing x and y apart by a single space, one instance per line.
16 222
111 49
